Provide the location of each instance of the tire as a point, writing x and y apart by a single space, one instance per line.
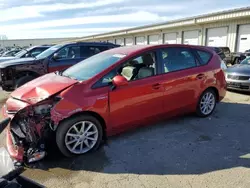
200 107
23 80
67 126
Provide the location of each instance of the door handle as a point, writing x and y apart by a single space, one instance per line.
200 76
156 86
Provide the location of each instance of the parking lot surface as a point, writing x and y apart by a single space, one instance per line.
182 152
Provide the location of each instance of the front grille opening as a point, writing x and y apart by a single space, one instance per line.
236 77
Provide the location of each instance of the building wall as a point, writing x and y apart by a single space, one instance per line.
31 42
232 25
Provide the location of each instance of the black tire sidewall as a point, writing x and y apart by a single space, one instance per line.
198 108
23 80
64 127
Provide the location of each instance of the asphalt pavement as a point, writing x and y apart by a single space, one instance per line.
182 152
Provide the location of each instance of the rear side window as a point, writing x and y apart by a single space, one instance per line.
88 51
176 59
205 57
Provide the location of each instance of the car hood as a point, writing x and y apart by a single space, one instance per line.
239 69
43 87
16 62
2 59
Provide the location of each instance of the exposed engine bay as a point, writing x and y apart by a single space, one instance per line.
31 127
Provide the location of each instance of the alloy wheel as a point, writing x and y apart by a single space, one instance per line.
81 137
207 103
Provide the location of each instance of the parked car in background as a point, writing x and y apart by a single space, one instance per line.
238 76
15 73
247 53
31 52
232 57
10 53
109 93
220 52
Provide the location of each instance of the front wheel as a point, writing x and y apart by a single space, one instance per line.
79 135
206 104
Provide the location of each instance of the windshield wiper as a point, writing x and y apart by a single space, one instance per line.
71 77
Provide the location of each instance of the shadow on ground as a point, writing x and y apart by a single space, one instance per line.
239 92
187 145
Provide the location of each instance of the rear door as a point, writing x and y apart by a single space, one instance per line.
67 56
182 78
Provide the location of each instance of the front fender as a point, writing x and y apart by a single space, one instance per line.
74 103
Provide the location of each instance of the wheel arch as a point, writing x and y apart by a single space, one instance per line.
215 90
27 73
91 113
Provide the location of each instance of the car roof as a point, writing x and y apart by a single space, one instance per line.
128 50
42 46
92 43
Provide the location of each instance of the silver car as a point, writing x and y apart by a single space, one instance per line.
238 76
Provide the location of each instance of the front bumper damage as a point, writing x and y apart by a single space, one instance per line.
27 131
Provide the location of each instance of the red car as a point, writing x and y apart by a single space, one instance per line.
109 93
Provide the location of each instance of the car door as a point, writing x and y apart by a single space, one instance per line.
181 78
66 57
142 98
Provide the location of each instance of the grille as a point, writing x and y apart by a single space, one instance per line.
236 77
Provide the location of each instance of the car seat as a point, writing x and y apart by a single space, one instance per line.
148 70
128 72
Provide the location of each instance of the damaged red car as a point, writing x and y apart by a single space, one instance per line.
109 93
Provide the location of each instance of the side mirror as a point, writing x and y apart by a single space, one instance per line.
119 81
55 56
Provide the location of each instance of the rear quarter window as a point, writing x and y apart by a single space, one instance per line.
204 56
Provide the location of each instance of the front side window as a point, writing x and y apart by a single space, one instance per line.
139 67
142 66
175 59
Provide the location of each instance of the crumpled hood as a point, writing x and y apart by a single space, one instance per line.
239 69
42 88
2 59
17 61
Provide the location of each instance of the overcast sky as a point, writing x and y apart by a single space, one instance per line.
76 18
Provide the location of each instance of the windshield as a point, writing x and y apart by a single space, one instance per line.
49 51
21 53
246 61
92 66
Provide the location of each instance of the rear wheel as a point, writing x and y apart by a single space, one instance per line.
23 80
79 135
207 103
